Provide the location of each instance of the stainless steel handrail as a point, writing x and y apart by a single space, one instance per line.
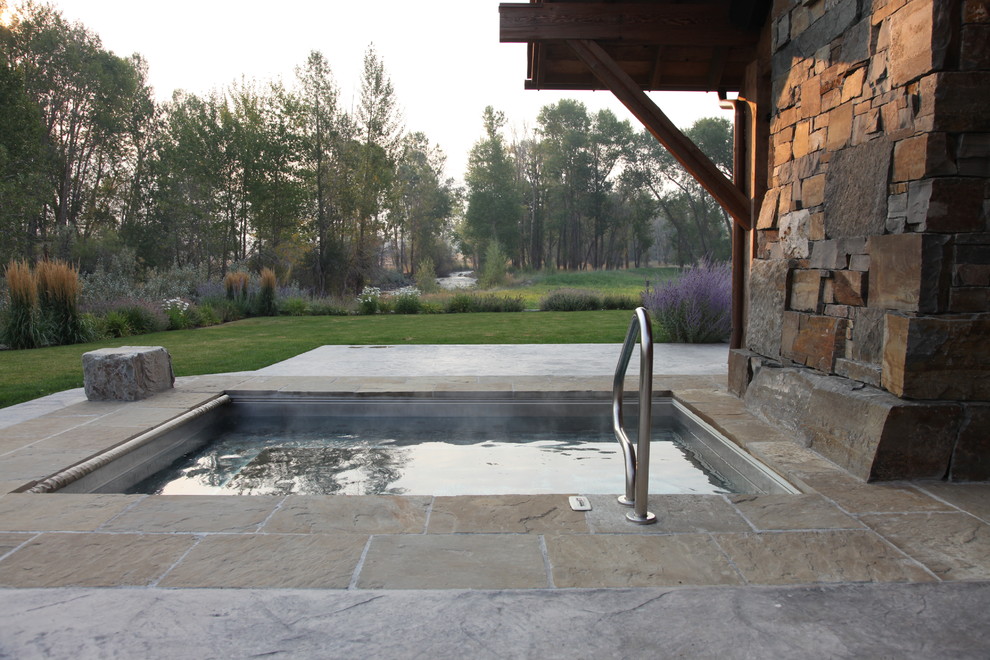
637 460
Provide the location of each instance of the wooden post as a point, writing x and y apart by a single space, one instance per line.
740 139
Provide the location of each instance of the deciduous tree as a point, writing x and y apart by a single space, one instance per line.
87 97
699 228
494 202
25 166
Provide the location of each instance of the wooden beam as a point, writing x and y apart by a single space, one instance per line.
686 152
662 24
596 85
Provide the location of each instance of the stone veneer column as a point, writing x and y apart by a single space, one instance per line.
872 263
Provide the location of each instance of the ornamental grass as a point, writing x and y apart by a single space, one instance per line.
58 297
266 295
21 329
236 285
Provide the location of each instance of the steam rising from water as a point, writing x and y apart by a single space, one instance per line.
424 456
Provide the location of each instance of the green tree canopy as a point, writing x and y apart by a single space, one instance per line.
693 223
494 202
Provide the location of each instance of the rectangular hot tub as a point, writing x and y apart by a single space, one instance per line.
300 444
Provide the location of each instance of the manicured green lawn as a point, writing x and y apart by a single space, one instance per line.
630 282
258 342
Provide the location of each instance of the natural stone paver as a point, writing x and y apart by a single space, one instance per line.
675 513
431 383
262 384
712 396
178 399
270 560
483 389
816 557
621 560
682 383
396 389
782 512
856 497
60 511
955 546
972 498
42 427
426 384
212 382
506 360
894 621
10 485
344 383
10 541
8 445
795 460
92 560
302 384
745 429
36 462
366 514
194 513
137 415
22 412
91 409
446 561
471 542
564 386
92 437
526 514
728 422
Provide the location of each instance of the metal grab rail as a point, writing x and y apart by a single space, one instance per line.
637 460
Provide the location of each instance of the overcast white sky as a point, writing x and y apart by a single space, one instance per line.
444 58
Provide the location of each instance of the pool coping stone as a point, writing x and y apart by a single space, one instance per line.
833 504
847 553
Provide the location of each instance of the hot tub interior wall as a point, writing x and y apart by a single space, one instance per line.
137 465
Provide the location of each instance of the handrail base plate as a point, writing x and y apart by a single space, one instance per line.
648 519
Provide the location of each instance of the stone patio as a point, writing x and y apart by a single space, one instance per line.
838 532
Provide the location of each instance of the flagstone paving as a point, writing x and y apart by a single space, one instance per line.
839 530
837 533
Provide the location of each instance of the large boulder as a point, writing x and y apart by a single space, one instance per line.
127 373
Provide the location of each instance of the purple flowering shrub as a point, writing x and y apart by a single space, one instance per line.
694 307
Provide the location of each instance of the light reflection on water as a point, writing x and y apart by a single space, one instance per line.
365 456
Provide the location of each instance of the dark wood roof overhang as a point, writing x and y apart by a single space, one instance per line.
662 45
647 45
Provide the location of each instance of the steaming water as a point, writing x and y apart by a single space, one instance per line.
425 456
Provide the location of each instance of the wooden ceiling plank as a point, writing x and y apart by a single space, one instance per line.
657 68
539 63
733 200
717 67
649 23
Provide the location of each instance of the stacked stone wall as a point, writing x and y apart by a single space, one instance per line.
872 247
